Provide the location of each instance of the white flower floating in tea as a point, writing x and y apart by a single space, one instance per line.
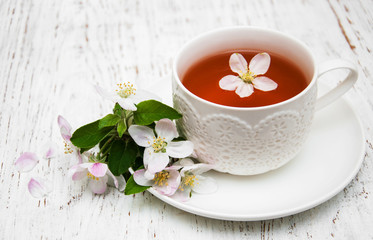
248 78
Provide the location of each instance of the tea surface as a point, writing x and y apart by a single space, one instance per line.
202 79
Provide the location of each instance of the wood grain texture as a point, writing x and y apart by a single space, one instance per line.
53 52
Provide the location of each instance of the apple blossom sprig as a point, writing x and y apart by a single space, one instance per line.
249 77
139 135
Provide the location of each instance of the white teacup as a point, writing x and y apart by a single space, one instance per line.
251 140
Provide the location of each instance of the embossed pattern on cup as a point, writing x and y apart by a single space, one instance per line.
248 141
243 147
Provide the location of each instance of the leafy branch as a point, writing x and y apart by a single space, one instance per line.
116 147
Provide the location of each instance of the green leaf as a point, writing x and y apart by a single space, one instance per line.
138 163
122 127
122 156
132 187
103 141
178 139
82 150
108 121
149 111
118 110
89 135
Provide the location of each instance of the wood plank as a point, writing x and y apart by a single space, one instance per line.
51 53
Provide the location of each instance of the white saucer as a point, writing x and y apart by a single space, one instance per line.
330 159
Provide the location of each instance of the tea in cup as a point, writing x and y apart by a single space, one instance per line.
248 97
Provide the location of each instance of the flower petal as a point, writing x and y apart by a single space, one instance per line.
229 82
105 94
50 153
141 179
142 95
121 183
172 185
182 196
157 162
244 90
264 84
66 135
259 64
63 123
179 149
174 179
184 162
142 135
77 172
149 175
173 167
197 169
146 156
49 150
26 162
127 104
194 154
238 63
98 169
205 185
98 186
65 128
165 128
78 156
38 187
116 181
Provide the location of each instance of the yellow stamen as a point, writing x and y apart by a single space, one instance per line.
161 178
125 90
248 77
189 180
159 144
91 176
67 149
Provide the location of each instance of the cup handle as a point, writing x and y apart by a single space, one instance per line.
342 87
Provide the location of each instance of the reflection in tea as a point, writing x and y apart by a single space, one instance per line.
202 79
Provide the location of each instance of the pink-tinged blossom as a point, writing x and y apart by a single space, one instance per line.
192 179
98 174
26 162
127 95
248 76
166 182
159 148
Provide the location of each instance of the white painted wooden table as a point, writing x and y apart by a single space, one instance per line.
52 52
